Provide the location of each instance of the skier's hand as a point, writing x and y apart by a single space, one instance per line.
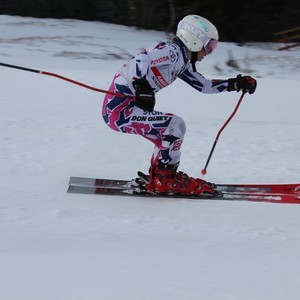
145 98
245 83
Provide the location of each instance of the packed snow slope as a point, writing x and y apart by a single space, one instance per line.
58 246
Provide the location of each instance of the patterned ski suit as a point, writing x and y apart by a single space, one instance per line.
161 66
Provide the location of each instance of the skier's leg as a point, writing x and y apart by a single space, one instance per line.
116 110
168 150
165 130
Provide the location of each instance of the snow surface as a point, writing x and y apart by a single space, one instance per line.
59 246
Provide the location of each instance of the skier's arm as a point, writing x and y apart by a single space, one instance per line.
202 84
209 86
141 63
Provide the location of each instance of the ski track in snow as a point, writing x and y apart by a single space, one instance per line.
61 246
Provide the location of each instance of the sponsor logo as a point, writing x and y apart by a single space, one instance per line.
297 190
156 82
193 29
176 145
149 118
203 26
172 55
159 77
159 60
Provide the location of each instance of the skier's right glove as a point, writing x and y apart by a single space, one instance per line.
144 94
245 83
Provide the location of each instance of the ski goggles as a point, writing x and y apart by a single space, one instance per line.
210 46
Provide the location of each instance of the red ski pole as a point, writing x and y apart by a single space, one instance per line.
66 79
203 172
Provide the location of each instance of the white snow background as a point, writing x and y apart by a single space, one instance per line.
59 246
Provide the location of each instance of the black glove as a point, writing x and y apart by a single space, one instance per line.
245 83
145 98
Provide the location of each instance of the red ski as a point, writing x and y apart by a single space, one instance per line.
274 193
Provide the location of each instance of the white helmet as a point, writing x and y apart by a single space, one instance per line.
195 32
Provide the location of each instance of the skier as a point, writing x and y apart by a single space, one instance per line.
147 73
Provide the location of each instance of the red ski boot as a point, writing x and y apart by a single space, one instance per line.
166 179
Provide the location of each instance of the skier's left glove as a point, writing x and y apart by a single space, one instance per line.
245 83
144 94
